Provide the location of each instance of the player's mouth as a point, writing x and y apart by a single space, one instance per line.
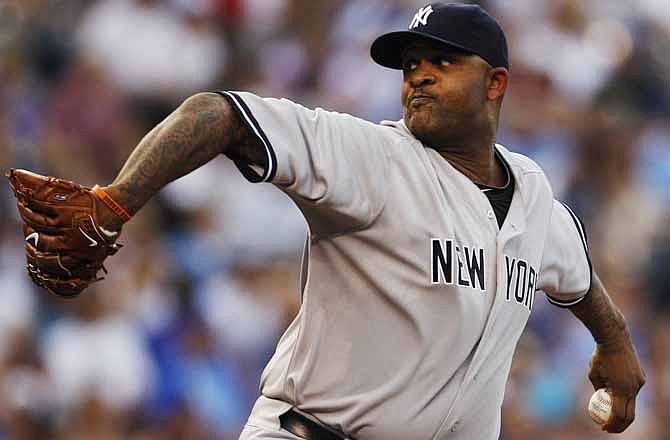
419 99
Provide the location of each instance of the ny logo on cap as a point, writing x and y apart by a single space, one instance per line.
421 17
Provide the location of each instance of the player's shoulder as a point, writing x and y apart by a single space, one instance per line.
523 163
401 135
528 173
397 127
288 107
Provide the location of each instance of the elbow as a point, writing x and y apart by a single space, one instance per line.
209 119
205 102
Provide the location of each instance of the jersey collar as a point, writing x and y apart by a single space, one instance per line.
515 223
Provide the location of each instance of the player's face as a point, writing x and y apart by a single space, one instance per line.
444 93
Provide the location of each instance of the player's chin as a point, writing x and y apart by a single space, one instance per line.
419 124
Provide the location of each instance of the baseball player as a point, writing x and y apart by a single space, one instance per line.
427 243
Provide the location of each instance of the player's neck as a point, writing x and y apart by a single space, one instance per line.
478 164
471 150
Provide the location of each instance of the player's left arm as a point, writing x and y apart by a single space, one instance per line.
615 364
568 280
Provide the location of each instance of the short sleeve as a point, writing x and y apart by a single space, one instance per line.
331 164
565 273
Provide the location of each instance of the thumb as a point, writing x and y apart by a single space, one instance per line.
597 379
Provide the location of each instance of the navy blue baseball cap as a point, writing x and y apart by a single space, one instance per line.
466 27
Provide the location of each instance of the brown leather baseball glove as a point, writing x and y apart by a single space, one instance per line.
65 244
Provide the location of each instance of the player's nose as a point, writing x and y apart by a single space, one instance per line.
422 75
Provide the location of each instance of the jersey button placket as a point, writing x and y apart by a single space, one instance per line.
456 426
493 221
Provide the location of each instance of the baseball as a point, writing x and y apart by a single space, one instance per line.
600 406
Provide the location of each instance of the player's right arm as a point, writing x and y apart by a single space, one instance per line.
568 280
201 128
615 364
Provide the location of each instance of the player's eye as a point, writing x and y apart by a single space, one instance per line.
410 65
442 61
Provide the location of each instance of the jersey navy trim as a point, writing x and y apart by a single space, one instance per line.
247 116
582 235
565 304
580 227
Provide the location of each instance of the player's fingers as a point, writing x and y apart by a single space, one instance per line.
597 382
630 411
596 378
623 414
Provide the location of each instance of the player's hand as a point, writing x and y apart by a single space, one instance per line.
615 366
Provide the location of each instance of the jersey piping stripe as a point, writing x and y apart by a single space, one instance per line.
562 303
580 227
582 236
251 121
255 126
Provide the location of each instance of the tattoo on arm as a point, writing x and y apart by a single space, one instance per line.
600 315
203 127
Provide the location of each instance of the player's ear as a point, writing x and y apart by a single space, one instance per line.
497 78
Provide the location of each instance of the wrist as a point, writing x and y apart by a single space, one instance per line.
616 336
111 212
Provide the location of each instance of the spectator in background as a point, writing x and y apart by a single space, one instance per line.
27 405
20 303
604 187
148 48
97 354
199 378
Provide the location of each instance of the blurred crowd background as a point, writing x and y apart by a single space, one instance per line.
171 345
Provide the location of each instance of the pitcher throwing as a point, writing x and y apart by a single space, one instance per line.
427 243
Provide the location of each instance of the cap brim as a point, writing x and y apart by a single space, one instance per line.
387 49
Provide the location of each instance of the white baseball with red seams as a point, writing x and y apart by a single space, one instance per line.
600 406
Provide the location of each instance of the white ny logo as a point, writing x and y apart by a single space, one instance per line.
421 17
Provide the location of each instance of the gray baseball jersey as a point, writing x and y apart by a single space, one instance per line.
413 297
